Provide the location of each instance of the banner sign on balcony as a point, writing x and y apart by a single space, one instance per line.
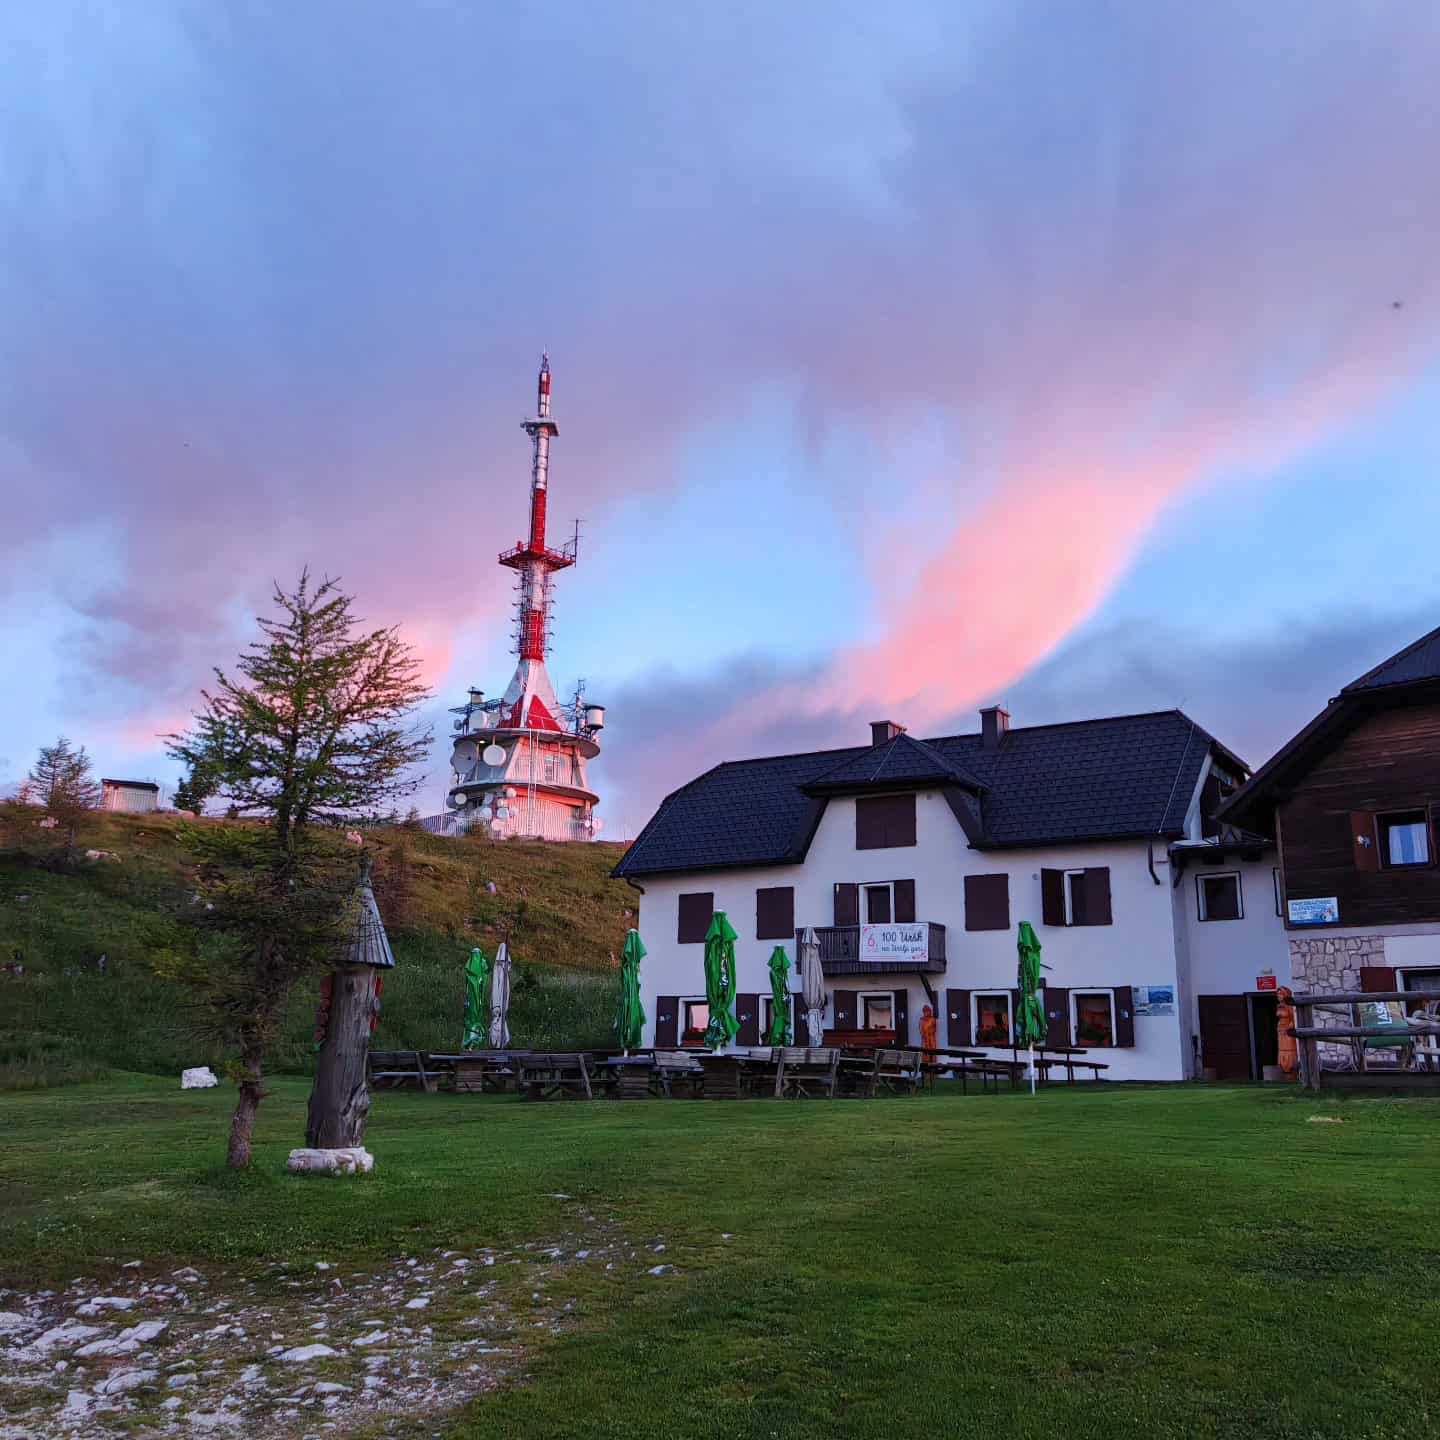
896 943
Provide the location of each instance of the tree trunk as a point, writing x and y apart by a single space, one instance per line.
340 1097
242 1123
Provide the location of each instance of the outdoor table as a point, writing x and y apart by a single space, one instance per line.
628 1076
476 1071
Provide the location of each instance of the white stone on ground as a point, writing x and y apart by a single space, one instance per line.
350 1160
373 1338
77 1405
659 1269
418 1303
10 1322
199 1077
124 1380
301 1353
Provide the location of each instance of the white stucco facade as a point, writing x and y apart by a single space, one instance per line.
1155 938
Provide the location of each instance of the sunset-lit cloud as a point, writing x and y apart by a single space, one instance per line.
913 347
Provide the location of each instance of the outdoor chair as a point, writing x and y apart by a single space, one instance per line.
804 1071
895 1070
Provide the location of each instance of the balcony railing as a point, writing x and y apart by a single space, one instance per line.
840 952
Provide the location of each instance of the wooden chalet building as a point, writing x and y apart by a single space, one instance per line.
1354 803
915 860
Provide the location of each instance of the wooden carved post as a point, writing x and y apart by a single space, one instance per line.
340 1097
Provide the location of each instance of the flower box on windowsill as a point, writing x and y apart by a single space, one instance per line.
992 1035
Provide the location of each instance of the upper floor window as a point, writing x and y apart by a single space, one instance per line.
1404 839
884 822
775 913
1218 896
1076 897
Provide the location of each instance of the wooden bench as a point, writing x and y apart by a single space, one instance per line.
1071 1064
391 1069
558 1074
897 1071
801 1071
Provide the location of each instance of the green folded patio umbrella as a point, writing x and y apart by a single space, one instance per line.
629 1016
477 1007
1031 1026
720 982
782 1030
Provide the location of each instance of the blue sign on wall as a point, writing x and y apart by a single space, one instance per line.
1314 912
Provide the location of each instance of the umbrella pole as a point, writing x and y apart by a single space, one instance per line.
1032 1067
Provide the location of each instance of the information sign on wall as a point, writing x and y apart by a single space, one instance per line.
895 942
1314 912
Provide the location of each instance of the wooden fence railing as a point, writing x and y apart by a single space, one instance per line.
1310 1035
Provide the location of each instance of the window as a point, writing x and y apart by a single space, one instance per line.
1404 839
992 1017
1093 1013
694 1020
550 759
775 913
877 1012
1219 896
883 822
1076 897
767 1017
695 914
875 902
987 902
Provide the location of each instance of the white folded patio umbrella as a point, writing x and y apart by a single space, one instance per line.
499 1036
812 978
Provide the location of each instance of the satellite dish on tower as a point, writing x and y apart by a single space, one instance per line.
493 755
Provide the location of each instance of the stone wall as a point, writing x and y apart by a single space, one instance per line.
1331 964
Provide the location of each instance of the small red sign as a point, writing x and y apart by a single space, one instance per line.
1266 982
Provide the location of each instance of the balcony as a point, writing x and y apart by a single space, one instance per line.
841 951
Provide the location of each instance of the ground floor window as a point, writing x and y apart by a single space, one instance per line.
694 1020
1418 980
992 1017
877 1012
1093 1013
767 1017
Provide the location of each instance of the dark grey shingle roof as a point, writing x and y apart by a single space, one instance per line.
1420 660
901 760
1086 780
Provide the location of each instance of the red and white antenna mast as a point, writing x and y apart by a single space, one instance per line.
535 561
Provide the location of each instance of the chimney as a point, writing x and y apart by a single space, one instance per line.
883 730
994 722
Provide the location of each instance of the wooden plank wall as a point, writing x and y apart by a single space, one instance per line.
1390 761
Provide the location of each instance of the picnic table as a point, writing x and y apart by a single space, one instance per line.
393 1069
627 1077
545 1075
1070 1056
477 1071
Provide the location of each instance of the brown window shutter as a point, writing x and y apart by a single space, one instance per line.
1124 1017
901 1013
847 904
900 825
1052 897
904 902
987 902
1364 843
957 1017
696 913
1057 1016
1097 895
747 1012
775 913
884 822
1377 977
667 1022
847 1006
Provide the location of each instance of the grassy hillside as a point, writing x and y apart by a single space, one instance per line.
65 1016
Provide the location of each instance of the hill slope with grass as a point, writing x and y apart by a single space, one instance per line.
66 1015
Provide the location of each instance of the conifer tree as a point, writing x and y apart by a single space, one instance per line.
313 729
62 781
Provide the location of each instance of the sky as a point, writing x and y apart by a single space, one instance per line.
1080 356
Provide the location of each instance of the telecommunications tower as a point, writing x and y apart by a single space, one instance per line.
518 763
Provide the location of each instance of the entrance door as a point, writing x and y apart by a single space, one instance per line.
1264 1022
1225 1036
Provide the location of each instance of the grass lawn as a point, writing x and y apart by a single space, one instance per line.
1103 1261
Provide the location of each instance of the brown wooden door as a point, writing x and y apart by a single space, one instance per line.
1225 1036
